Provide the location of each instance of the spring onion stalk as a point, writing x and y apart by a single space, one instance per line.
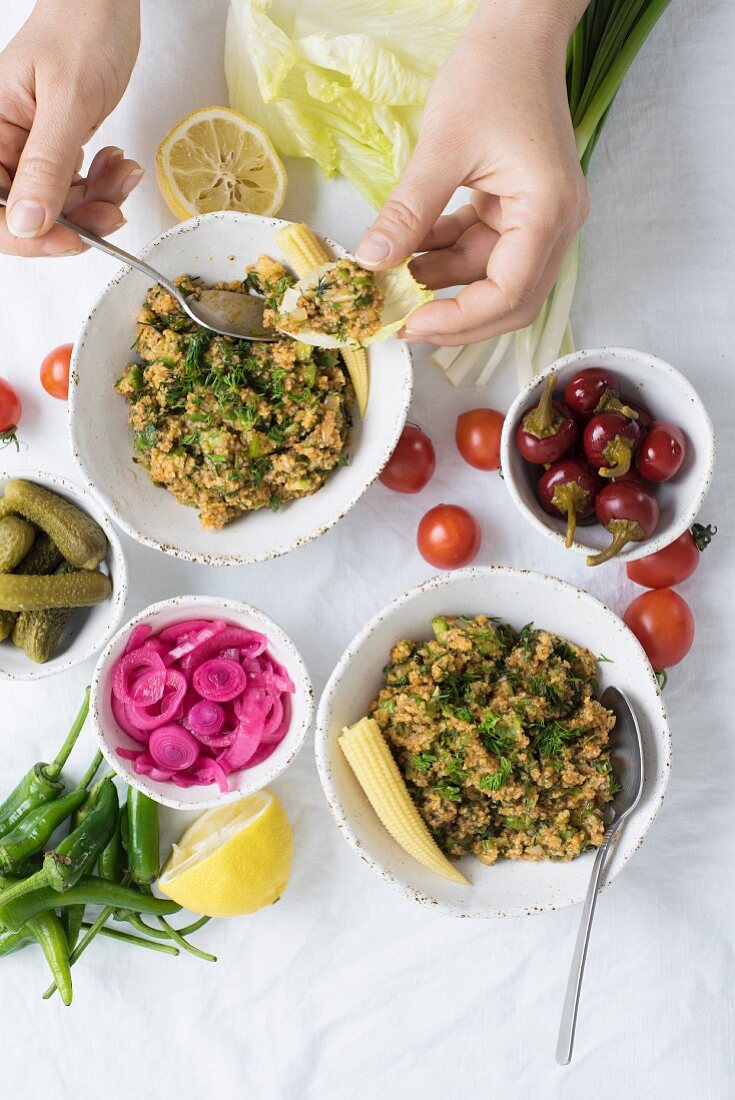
602 49
502 344
467 359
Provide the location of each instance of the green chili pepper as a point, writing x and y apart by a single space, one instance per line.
48 930
43 783
112 860
14 941
78 852
36 828
73 916
89 890
136 941
143 838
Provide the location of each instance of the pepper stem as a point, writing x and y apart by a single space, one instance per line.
623 531
64 752
25 886
610 402
136 941
184 944
91 771
619 453
570 498
543 420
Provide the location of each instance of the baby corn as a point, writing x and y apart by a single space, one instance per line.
304 251
377 773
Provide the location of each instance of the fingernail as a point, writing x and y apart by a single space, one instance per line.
73 251
116 154
373 249
118 225
26 218
131 181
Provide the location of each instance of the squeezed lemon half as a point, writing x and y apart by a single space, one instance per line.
234 859
216 159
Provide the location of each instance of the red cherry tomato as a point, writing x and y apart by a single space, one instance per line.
662 451
412 464
674 563
10 410
663 624
448 537
477 436
55 372
588 388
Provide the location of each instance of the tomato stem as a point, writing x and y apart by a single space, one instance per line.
702 535
10 435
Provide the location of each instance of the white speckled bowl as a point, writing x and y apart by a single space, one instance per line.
89 628
214 247
669 396
245 782
507 889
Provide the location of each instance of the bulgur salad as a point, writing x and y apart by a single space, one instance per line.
501 741
341 300
229 426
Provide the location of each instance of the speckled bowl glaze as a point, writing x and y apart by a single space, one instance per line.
669 396
249 780
215 247
89 628
507 889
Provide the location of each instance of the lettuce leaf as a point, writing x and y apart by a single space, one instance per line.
340 81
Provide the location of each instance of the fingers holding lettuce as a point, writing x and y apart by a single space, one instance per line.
497 122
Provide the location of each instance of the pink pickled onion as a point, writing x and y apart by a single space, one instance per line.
148 719
121 714
189 643
219 680
137 636
173 748
242 748
128 664
147 689
206 717
176 631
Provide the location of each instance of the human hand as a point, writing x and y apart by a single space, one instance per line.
58 82
497 120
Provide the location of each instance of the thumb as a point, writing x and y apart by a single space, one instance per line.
411 209
45 170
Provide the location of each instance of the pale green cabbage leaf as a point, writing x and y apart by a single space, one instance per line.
341 81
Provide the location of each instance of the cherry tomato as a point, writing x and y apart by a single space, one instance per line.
569 488
548 430
448 536
55 372
662 452
478 438
412 464
664 625
10 410
674 563
587 389
609 442
629 512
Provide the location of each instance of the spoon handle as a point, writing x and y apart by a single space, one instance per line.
105 246
565 1042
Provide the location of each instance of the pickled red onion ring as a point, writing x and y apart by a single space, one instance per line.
219 680
173 748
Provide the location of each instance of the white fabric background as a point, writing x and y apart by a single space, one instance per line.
345 990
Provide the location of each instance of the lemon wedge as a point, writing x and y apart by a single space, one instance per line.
216 159
234 859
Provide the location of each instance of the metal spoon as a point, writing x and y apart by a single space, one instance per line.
626 756
221 311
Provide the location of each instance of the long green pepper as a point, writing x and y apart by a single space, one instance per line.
89 890
43 782
36 828
78 852
48 930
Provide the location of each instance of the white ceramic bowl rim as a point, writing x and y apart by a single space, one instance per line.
297 669
108 502
116 601
322 740
685 518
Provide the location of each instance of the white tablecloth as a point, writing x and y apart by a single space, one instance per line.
344 989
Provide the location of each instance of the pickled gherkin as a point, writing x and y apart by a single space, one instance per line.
82 541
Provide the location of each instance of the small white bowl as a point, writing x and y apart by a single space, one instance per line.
215 247
669 396
247 781
509 888
89 628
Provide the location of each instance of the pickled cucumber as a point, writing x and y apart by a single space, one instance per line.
7 622
43 557
82 541
33 593
16 539
38 633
